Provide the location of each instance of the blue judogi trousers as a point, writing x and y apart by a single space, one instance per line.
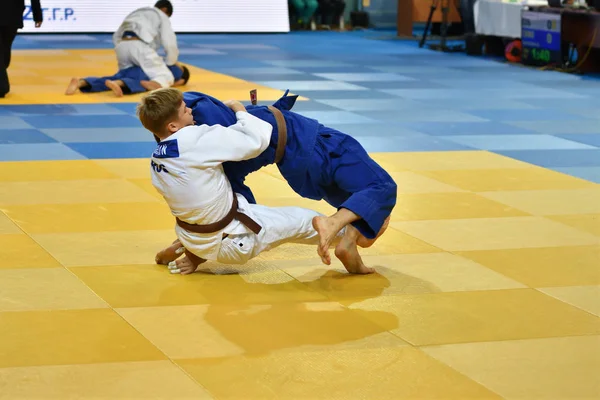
131 77
347 177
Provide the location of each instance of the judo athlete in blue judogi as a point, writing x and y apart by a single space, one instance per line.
126 81
318 163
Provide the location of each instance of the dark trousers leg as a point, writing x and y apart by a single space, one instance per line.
325 11
338 9
7 36
331 10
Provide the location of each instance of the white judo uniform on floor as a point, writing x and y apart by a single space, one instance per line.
187 171
153 28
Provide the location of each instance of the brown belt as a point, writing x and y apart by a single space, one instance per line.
130 38
282 133
219 225
281 128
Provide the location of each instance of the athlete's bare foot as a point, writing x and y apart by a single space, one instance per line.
73 86
114 86
326 228
329 227
364 242
171 253
150 85
347 252
183 266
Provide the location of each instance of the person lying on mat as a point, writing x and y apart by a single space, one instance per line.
127 81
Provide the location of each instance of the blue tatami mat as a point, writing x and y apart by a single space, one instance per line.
389 94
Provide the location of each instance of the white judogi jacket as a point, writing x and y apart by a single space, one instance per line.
153 27
187 171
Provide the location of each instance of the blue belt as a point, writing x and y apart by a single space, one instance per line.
129 35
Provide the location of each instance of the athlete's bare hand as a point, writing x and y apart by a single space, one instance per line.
235 105
183 266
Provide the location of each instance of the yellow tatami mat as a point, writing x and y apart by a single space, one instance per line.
487 286
41 77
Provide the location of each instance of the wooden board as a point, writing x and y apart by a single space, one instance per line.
411 11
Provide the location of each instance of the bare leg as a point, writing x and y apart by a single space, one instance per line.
347 252
74 86
364 242
183 266
150 85
115 86
328 228
171 253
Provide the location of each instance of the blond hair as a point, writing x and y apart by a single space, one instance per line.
158 108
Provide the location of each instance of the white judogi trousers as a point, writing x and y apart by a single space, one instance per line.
136 52
279 225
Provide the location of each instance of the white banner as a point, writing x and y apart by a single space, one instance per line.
188 15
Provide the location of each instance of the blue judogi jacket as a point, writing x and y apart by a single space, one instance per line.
301 137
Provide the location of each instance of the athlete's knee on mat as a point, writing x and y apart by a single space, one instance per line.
124 64
163 77
164 81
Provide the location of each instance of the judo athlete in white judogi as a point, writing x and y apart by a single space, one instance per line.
139 37
212 222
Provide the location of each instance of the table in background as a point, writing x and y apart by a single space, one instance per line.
501 18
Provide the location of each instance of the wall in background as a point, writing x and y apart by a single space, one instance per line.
382 13
188 15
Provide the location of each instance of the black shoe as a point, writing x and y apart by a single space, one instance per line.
2 95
